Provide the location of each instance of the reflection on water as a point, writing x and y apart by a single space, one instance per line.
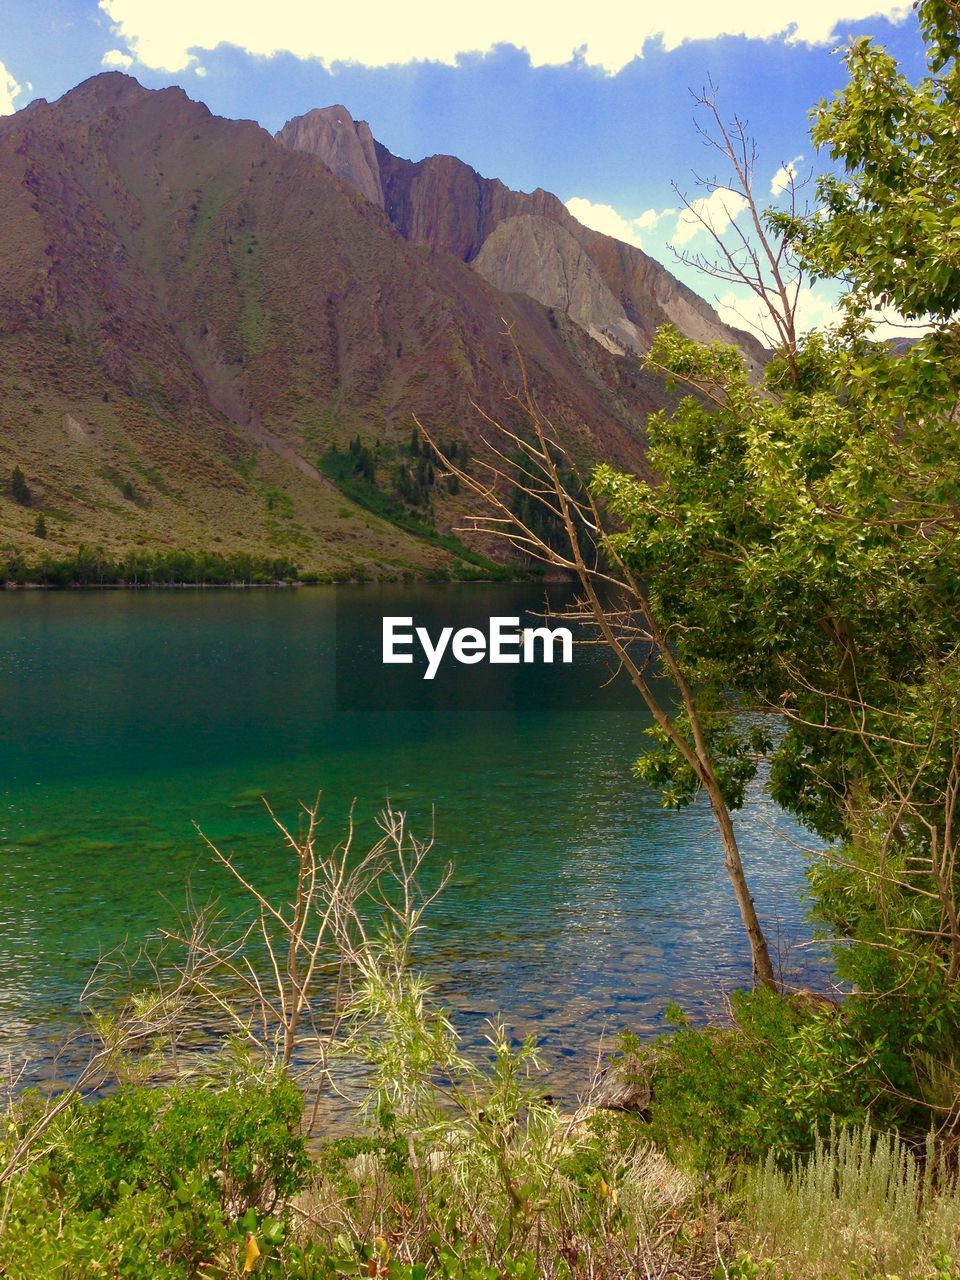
577 907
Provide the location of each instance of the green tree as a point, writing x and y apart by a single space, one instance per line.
804 539
798 554
535 498
40 526
886 218
19 489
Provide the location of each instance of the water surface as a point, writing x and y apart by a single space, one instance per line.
578 906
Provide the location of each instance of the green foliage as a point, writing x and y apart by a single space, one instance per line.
780 540
801 545
40 526
904 1014
90 566
768 1084
347 1257
469 1165
155 1181
888 221
863 1204
734 744
362 461
526 1193
413 483
280 503
337 1159
355 475
542 520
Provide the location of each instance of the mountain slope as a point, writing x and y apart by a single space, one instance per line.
538 257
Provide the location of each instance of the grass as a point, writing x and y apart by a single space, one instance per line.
200 483
864 1203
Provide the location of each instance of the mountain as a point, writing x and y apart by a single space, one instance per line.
211 340
522 243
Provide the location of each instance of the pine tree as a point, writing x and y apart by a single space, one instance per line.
19 489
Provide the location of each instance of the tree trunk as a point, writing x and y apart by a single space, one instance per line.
762 964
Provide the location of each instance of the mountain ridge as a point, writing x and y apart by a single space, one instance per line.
445 203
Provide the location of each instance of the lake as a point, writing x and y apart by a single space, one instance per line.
577 906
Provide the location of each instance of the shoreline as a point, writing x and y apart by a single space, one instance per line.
240 585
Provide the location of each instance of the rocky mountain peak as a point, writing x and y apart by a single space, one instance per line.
530 254
345 146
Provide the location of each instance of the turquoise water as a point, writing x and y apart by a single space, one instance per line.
577 907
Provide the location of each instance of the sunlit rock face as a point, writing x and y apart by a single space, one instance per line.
344 145
533 255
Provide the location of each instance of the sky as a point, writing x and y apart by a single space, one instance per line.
592 102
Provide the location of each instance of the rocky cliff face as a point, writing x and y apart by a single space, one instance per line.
345 146
620 295
444 203
540 258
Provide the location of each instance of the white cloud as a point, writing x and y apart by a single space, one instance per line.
786 174
116 60
816 308
199 71
651 217
715 211
9 90
164 36
603 217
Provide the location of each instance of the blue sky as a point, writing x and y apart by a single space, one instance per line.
595 107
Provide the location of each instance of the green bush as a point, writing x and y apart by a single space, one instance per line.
90 566
19 489
149 1182
354 474
337 1164
771 1082
312 1261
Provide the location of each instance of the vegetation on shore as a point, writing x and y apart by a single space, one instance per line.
395 485
208 1154
92 567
